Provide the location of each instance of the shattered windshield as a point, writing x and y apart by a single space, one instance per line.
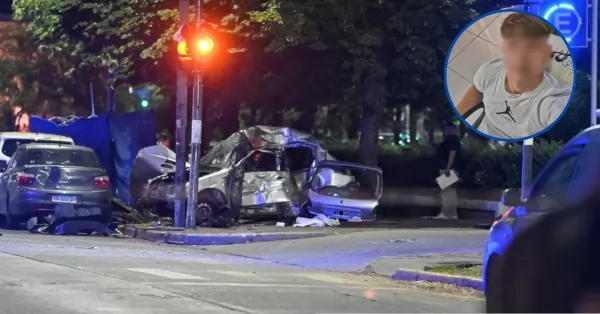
347 182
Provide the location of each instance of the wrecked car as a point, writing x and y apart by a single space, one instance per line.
257 172
344 190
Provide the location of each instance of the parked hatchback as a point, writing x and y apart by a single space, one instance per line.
573 174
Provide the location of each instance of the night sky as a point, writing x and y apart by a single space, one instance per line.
5 6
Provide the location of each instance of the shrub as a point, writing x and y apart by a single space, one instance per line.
486 166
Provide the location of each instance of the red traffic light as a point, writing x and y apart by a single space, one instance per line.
205 45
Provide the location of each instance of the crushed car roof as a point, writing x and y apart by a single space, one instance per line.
252 138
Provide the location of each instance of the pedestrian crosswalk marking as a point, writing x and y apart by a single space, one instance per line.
167 274
328 278
238 274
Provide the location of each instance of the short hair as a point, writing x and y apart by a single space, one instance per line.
164 136
526 25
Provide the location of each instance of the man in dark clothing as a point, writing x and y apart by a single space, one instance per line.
164 139
449 156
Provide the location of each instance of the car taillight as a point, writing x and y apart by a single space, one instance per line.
25 178
101 182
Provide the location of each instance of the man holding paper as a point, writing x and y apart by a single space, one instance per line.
449 155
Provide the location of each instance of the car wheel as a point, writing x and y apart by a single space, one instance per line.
492 276
10 221
207 210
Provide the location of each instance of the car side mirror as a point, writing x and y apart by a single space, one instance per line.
512 198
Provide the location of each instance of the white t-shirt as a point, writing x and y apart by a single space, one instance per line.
513 116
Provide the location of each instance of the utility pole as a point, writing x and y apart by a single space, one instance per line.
594 87
192 204
527 155
180 129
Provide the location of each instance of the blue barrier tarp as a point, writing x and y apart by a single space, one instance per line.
130 132
90 132
116 139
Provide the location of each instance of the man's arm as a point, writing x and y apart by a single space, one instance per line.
454 147
450 163
470 99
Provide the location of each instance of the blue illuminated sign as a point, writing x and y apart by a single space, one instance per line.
570 18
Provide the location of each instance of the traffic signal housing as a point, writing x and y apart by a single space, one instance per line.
196 45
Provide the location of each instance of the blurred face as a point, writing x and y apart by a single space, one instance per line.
525 57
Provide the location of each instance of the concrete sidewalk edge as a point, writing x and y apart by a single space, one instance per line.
182 238
414 275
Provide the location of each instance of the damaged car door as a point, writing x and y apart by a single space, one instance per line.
344 190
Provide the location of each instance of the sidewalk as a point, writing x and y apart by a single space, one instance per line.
216 236
412 268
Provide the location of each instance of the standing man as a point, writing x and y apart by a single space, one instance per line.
449 158
164 139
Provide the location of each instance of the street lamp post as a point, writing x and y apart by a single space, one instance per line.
180 129
192 204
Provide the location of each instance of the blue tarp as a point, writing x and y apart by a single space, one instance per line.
130 132
116 139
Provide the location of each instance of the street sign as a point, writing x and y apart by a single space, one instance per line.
570 17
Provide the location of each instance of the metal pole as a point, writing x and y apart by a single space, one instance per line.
180 129
594 87
527 156
110 98
192 204
526 167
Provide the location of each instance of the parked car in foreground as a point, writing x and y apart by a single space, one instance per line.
40 177
572 175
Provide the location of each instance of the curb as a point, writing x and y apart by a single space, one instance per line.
213 239
413 275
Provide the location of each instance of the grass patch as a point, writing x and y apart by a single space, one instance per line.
473 271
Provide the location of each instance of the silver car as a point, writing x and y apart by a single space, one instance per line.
344 190
40 177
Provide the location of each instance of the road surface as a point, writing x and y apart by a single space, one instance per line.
354 251
88 274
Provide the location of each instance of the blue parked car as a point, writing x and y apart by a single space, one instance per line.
572 175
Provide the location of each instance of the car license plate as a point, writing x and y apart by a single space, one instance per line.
64 199
341 213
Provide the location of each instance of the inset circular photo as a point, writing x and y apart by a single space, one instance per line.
509 75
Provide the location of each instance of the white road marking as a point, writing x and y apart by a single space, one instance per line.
167 274
236 273
328 278
266 285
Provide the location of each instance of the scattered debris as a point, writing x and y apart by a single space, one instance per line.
280 224
318 221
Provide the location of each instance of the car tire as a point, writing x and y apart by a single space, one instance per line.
10 221
492 276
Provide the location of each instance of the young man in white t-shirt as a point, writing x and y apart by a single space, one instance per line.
520 98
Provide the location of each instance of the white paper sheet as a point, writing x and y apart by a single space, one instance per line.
445 181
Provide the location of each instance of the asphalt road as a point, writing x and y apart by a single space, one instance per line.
354 251
87 274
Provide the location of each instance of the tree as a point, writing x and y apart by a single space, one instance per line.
33 76
394 51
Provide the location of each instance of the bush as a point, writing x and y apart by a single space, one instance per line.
486 166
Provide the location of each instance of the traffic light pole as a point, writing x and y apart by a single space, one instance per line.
180 130
192 204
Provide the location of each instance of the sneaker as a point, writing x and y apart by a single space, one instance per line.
441 216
